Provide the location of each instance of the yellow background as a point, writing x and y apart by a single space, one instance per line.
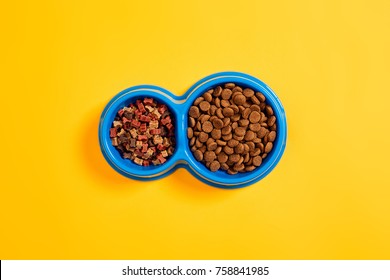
62 61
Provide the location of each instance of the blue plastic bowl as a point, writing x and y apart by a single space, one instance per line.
183 157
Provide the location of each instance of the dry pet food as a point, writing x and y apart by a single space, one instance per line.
144 132
231 128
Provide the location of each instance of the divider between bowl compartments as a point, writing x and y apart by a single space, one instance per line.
181 131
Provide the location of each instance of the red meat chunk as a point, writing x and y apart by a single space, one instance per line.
142 137
155 131
112 132
148 101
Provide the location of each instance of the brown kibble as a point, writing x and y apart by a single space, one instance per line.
226 121
238 167
217 102
237 89
235 108
214 166
212 110
262 132
203 137
239 149
271 121
212 146
254 117
235 118
255 107
251 146
255 100
231 172
224 166
268 110
204 106
246 113
225 103
234 158
243 122
228 150
272 136
239 99
226 93
248 92
219 113
210 140
222 157
204 118
207 126
257 160
273 127
192 141
268 147
234 125
209 156
221 143
191 122
240 131
194 112
250 168
226 130
190 132
208 97
241 160
216 134
212 118
255 127
218 150
247 158
227 137
217 123
261 147
249 135
198 143
217 91
260 96
198 126
255 152
198 100
198 155
264 155
230 85
232 143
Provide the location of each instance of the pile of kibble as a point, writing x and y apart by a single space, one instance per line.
231 128
144 132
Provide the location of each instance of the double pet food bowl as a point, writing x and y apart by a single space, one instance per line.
182 156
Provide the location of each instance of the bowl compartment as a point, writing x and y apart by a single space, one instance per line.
221 178
113 156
